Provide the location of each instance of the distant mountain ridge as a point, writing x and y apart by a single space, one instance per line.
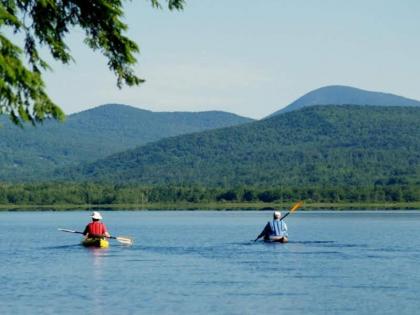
93 134
346 95
318 145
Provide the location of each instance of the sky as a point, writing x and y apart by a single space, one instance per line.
250 58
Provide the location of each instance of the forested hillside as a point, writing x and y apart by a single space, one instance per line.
32 152
316 146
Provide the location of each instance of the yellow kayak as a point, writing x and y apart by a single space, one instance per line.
95 242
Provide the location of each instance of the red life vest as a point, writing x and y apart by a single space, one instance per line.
96 228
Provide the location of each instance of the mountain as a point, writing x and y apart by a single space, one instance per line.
345 95
317 145
31 152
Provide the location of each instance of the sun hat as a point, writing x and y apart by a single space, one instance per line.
96 215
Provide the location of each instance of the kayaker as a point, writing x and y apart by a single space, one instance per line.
96 229
275 230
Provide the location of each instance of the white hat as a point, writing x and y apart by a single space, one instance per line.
277 213
96 215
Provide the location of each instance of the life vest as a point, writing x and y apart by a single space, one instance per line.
96 228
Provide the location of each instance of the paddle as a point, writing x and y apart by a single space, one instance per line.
295 206
122 239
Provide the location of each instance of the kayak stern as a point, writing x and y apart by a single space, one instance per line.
95 242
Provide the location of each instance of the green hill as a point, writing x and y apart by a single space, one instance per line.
319 145
32 152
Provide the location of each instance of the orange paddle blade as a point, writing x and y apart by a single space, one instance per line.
296 206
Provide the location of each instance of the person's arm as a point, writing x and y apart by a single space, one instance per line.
265 231
106 231
284 228
86 231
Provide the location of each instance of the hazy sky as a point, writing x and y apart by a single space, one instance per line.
250 57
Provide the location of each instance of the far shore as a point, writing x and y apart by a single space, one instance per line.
218 206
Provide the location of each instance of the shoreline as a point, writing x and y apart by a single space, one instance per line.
232 206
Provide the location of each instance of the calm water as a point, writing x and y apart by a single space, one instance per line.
205 263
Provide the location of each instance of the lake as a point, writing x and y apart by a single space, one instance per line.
205 263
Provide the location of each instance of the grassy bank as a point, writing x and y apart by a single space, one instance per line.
218 206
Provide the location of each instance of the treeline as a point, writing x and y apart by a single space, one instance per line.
109 194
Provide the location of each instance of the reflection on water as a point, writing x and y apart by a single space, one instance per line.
98 255
98 278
